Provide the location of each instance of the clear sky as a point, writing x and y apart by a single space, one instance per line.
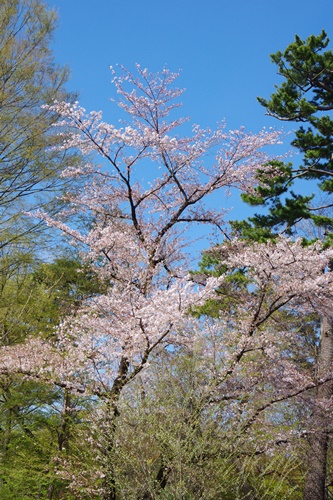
221 46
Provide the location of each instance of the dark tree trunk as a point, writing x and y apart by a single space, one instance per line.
110 492
64 431
111 415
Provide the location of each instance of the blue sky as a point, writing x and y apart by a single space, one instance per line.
222 48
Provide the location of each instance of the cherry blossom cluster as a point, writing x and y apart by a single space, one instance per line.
134 240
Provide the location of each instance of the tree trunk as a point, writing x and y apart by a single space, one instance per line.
314 488
64 431
110 429
111 415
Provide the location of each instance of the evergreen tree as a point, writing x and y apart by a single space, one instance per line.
305 96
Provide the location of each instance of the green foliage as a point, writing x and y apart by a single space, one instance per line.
212 264
29 78
38 426
306 67
270 186
38 423
33 296
28 442
63 285
173 442
282 217
34 419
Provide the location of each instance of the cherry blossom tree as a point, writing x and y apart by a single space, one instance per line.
137 243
